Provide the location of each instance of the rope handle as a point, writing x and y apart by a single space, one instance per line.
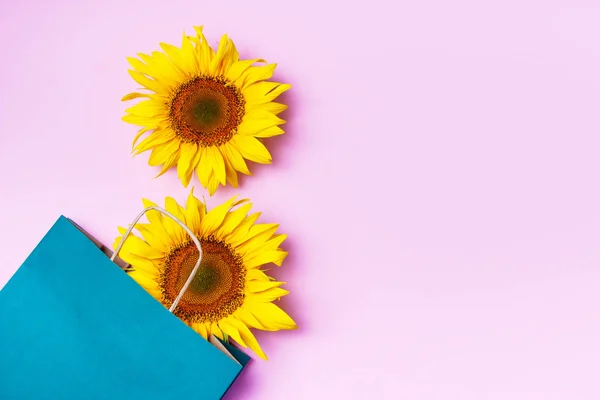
185 227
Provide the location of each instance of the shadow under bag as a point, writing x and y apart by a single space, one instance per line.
74 325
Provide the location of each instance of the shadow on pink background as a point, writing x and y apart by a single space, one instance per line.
438 180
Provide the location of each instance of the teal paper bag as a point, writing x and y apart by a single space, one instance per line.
73 325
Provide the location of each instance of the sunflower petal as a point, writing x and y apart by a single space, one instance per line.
272 107
218 62
269 132
252 149
232 220
170 162
138 135
144 279
185 168
247 336
188 58
135 95
240 233
257 274
231 330
255 74
264 92
146 82
203 50
156 238
239 67
155 217
196 160
261 286
230 172
200 327
259 113
215 330
272 256
174 55
252 127
213 183
247 318
233 53
269 295
218 165
148 109
256 236
153 140
173 228
235 158
163 152
271 316
203 168
163 68
194 211
271 244
140 263
139 66
136 246
214 218
148 122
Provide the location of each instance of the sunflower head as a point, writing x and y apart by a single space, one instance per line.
204 110
230 293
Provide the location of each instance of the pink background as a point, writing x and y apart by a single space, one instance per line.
438 180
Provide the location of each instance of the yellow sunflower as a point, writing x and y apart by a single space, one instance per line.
205 111
230 292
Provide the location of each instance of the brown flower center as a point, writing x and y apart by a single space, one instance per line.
206 111
216 291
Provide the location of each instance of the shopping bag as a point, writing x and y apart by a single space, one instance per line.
73 325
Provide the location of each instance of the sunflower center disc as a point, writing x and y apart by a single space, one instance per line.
206 111
216 291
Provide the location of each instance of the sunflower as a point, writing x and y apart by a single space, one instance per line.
205 111
230 292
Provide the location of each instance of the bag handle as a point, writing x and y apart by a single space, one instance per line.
185 228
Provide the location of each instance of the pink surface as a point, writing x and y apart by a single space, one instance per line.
439 180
